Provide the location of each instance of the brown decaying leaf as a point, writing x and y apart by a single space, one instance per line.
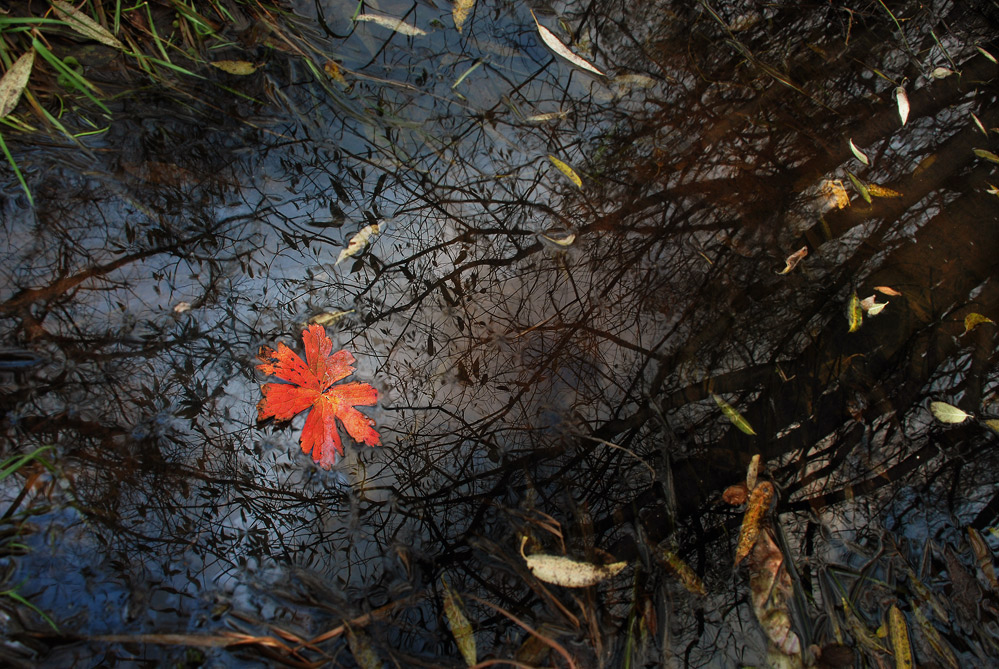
983 557
460 12
736 495
759 504
770 592
14 82
887 290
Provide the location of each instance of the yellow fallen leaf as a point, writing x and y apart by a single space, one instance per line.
553 42
461 629
332 69
566 170
855 313
987 155
759 504
898 632
992 424
566 572
237 67
358 242
397 25
973 320
880 191
14 81
681 570
460 12
948 413
734 416
835 194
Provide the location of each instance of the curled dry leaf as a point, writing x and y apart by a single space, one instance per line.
555 44
565 240
854 313
358 242
567 171
948 413
566 572
85 25
898 632
793 259
460 12
461 629
734 416
872 306
396 25
736 495
14 82
861 156
903 104
759 504
973 320
887 290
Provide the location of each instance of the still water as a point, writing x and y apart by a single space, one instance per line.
576 317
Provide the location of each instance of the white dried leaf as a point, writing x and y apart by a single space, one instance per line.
903 104
861 156
397 25
941 72
567 572
553 42
567 240
14 82
358 242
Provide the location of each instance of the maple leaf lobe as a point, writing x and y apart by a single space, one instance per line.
310 383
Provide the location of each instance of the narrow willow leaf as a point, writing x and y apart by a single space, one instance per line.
992 424
987 155
358 242
460 12
987 54
855 313
759 504
85 25
948 413
14 82
978 123
561 241
752 471
941 72
793 260
861 156
898 632
566 572
973 320
461 629
734 416
861 188
887 290
566 170
553 42
983 557
675 564
903 104
542 118
880 191
238 67
397 25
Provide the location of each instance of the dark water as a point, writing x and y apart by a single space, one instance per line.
546 354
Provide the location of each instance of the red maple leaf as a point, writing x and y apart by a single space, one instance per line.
310 384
